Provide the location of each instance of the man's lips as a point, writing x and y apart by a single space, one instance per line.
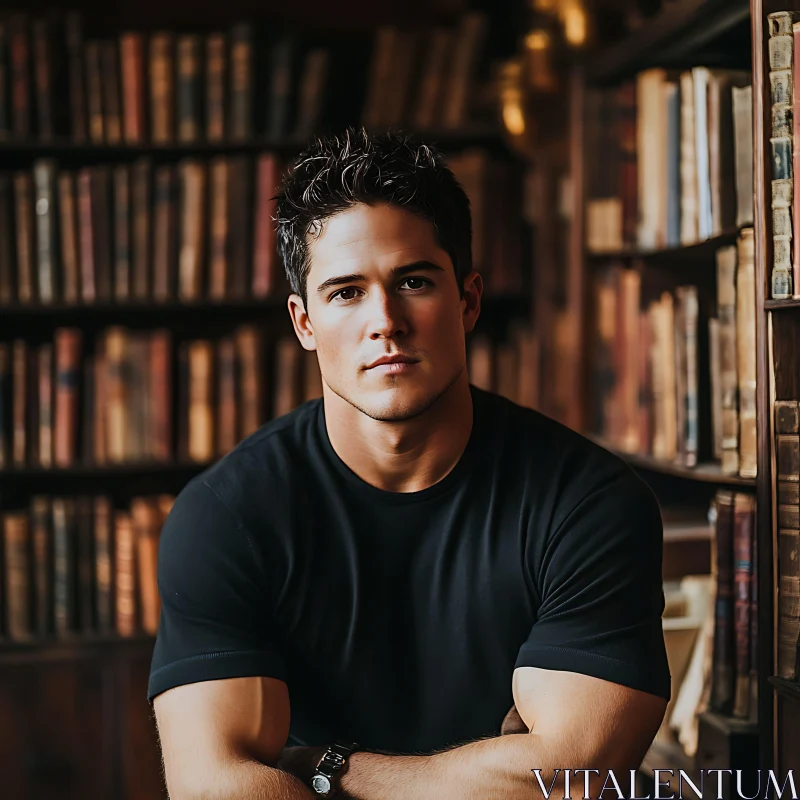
395 362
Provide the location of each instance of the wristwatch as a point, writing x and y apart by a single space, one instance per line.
331 763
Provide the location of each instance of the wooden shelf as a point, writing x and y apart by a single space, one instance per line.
777 305
665 755
786 688
677 532
705 473
106 470
79 646
706 248
668 38
473 135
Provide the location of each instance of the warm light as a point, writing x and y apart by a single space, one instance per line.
537 40
513 118
573 18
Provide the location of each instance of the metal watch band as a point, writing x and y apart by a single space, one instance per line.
331 763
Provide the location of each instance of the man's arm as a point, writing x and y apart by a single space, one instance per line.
220 740
575 722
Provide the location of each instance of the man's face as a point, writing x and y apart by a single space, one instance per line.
379 285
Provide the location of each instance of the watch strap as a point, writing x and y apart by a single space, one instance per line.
334 759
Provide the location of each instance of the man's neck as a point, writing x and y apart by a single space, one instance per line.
406 456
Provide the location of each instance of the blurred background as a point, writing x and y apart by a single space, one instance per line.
618 161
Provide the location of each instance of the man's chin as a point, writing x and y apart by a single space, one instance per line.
396 405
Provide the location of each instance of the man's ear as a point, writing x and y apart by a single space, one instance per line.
471 297
301 322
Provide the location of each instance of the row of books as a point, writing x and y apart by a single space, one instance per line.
675 159
784 48
140 396
672 376
201 229
77 566
165 86
787 450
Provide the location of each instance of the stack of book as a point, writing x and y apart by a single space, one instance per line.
672 380
114 400
787 450
509 368
677 159
158 88
76 566
198 230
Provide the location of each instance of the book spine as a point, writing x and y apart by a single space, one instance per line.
162 88
183 401
164 237
729 386
215 87
124 575
17 569
5 84
23 206
201 416
68 230
68 372
75 75
219 248
240 209
746 353
141 243
723 669
132 56
160 364
241 75
122 232
6 427
192 176
146 527
744 509
94 92
43 80
103 558
226 396
42 565
20 76
265 255
19 400
45 372
44 175
781 51
188 88
110 83
64 573
86 236
102 230
117 406
7 288
84 563
251 395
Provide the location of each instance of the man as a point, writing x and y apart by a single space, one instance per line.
410 557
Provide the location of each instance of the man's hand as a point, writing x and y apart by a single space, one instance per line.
300 761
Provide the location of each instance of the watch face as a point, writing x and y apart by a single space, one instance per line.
320 784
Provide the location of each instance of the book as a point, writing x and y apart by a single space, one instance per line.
728 359
746 353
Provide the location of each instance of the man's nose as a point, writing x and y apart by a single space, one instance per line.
387 316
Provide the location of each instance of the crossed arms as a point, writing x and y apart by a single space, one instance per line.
224 740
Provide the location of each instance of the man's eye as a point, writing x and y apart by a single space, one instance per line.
348 293
418 283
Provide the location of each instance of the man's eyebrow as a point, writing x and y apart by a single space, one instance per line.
405 269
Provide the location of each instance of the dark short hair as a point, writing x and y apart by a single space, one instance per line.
337 172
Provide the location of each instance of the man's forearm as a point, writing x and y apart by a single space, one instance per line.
499 767
246 780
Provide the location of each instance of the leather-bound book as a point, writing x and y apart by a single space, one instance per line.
133 87
743 153
67 388
192 176
125 606
87 422
251 375
32 411
73 25
754 632
117 401
141 241
160 385
183 401
5 83
216 75
102 230
84 562
44 175
189 88
288 366
312 92
265 256
94 91
86 237
201 394
20 48
723 669
716 391
283 57
18 575
23 217
64 567
219 229
240 207
164 233
122 232
434 70
45 404
162 88
227 412
728 370
688 152
103 560
43 67
110 82
19 402
743 524
147 529
8 290
6 405
466 54
746 353
42 540
241 82
137 389
68 233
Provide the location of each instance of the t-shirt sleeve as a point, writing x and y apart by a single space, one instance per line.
600 590
215 613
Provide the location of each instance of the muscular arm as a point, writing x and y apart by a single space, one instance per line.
223 742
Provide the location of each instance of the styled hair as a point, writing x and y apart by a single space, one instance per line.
337 172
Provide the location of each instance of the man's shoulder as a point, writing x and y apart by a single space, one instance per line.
267 458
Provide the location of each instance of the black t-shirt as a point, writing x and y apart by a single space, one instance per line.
397 619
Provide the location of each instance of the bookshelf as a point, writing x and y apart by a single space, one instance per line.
683 35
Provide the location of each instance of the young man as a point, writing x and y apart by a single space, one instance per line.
410 557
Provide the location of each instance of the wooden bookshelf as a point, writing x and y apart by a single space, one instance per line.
75 648
780 305
672 36
790 689
700 250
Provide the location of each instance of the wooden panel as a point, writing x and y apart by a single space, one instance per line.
54 719
788 734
